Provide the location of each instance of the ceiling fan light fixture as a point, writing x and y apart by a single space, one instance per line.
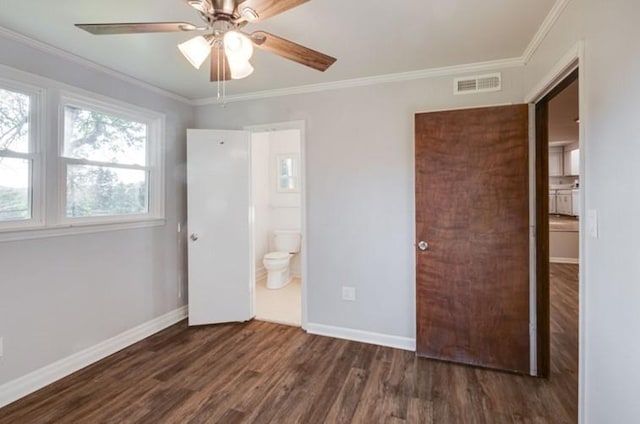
250 14
202 6
196 50
238 49
240 70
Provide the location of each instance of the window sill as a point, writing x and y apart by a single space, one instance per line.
60 230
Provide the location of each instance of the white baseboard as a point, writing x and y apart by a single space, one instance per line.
404 343
571 261
20 387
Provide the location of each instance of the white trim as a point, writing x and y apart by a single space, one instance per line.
540 35
367 81
155 148
571 261
20 387
301 126
396 342
544 29
533 248
37 150
41 232
63 54
567 64
573 59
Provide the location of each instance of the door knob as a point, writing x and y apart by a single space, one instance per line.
423 245
194 237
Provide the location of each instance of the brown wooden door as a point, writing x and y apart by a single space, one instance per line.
472 208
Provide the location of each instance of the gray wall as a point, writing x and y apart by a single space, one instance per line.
61 295
612 151
360 190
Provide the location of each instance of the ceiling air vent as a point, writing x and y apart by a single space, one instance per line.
477 84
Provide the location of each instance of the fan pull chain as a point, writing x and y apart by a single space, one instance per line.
222 70
224 80
218 70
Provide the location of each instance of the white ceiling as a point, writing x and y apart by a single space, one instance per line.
368 37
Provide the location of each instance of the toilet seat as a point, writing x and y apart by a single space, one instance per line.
277 255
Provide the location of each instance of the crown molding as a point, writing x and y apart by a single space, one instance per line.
367 81
494 65
544 29
48 48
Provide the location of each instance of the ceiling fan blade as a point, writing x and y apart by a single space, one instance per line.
265 8
218 62
137 28
292 51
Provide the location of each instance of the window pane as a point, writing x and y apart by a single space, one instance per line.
15 194
104 191
286 167
14 121
287 184
99 137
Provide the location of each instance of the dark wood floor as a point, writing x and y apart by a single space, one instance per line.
266 373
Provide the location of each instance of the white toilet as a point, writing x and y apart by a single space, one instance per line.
287 245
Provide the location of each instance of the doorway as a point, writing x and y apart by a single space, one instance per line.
277 231
223 262
558 211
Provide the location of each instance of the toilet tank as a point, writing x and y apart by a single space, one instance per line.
286 241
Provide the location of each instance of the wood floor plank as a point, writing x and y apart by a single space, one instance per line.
259 372
346 403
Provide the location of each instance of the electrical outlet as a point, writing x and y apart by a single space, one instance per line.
349 294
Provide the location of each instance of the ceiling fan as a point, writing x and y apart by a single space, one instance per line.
229 47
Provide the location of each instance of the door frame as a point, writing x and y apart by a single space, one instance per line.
573 60
301 126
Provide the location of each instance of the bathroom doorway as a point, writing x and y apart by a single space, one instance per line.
277 192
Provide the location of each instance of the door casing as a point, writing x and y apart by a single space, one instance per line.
301 126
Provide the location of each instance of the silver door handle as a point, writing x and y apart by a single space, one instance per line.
423 245
194 237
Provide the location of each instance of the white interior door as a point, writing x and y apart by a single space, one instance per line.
220 262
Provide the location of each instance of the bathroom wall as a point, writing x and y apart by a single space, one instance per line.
285 208
273 210
261 212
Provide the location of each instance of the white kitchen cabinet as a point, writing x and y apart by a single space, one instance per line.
556 162
572 163
564 202
552 202
575 162
575 207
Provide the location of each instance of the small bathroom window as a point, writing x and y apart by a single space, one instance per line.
288 174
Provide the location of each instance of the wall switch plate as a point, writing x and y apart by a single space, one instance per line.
592 223
1 346
349 294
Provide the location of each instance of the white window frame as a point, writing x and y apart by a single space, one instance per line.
154 149
37 114
295 177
